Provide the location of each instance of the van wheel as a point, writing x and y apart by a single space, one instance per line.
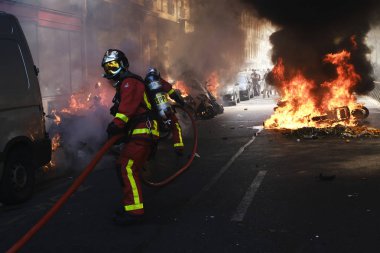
17 183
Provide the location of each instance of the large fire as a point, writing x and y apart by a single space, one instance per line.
304 103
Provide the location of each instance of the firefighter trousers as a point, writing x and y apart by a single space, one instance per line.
132 159
176 132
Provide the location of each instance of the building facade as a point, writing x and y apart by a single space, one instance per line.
68 38
257 45
53 30
144 29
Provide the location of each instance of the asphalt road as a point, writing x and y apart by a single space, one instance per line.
250 191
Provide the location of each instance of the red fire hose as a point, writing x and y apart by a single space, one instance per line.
186 166
18 245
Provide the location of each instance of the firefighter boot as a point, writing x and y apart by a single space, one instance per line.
124 218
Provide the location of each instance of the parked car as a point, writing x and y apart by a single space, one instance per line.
230 94
245 85
24 143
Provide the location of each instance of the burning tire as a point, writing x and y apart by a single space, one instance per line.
360 113
18 180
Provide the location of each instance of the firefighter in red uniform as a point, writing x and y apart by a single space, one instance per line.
158 87
132 115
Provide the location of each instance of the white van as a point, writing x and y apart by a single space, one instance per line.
24 143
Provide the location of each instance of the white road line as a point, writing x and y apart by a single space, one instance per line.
248 197
223 169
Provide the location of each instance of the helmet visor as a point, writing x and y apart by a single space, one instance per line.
111 67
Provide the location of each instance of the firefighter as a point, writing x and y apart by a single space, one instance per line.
132 115
158 88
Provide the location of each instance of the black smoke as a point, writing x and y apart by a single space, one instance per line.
308 30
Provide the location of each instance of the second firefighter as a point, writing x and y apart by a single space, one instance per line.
158 88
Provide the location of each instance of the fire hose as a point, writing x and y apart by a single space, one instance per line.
18 245
90 167
191 158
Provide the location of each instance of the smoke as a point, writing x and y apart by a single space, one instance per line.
81 130
216 44
311 29
112 25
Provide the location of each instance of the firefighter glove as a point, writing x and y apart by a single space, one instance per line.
178 99
113 129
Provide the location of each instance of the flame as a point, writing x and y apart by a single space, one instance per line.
300 105
55 142
213 84
341 89
57 118
77 104
49 166
81 102
181 86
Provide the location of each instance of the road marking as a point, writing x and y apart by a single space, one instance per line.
248 197
224 168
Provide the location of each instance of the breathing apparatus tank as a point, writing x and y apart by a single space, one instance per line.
157 95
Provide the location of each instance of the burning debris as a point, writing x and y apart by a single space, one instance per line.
332 110
77 128
307 104
337 131
321 64
200 99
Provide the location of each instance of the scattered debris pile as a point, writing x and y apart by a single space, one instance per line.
199 99
338 131
77 126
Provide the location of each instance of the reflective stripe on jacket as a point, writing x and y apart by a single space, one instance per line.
134 102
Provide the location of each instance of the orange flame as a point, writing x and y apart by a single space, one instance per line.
55 142
57 118
300 104
213 84
341 89
181 86
78 103
75 104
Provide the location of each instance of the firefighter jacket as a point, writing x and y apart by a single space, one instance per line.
134 108
167 87
176 129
